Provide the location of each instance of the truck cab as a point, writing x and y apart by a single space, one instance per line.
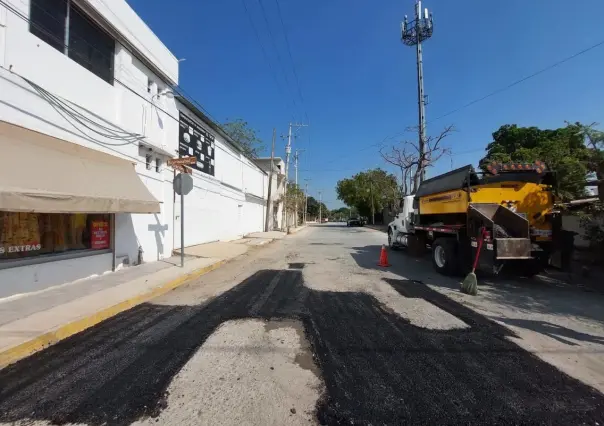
402 224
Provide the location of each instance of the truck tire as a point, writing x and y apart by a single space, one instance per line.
444 256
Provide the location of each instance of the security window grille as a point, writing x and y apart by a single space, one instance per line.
66 28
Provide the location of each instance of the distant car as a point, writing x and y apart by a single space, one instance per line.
354 221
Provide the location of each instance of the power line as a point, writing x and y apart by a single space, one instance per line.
266 57
522 80
61 43
280 61
509 86
270 33
289 51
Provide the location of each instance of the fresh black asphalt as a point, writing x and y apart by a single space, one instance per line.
377 368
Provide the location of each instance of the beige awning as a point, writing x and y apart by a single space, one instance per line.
40 173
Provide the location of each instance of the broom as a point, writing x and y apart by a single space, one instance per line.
470 283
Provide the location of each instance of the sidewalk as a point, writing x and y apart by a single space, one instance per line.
383 228
33 321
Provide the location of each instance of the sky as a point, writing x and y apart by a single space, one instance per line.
352 80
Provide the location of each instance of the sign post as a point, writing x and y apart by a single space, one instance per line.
183 184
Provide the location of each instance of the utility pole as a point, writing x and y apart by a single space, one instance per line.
413 34
288 151
306 199
320 207
372 203
269 203
296 157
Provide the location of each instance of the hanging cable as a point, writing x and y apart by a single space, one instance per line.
61 42
266 57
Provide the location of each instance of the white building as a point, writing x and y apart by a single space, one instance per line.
87 124
277 189
228 199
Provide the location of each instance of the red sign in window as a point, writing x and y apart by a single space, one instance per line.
100 235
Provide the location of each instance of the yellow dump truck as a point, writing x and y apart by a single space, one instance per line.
511 208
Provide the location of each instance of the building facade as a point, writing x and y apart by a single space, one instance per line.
228 199
88 120
277 189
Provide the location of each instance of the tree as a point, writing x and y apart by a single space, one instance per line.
312 209
313 206
594 139
341 213
563 150
369 191
295 198
245 136
412 165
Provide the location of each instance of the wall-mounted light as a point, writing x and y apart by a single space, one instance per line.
167 92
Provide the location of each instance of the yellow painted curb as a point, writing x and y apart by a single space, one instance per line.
38 343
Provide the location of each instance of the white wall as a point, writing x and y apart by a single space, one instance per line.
218 208
25 279
126 104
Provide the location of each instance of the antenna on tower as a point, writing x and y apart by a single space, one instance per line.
413 34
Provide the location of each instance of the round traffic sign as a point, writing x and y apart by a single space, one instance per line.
183 184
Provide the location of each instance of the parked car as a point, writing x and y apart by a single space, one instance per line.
354 221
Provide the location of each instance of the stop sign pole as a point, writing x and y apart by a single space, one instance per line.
183 184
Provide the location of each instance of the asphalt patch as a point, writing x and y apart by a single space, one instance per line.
376 366
296 265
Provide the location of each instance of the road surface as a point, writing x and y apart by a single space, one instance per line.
308 330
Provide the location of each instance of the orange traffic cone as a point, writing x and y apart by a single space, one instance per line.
383 257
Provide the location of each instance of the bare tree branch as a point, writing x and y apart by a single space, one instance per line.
406 157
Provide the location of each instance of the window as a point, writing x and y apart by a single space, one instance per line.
66 28
157 164
25 235
47 21
148 159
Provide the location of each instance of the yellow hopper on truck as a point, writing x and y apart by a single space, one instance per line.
511 207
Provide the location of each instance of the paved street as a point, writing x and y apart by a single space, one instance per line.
308 330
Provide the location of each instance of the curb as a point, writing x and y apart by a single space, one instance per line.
38 343
293 231
374 229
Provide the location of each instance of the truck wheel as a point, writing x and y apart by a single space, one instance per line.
444 256
391 244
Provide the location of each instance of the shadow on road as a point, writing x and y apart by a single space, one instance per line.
536 296
376 366
555 331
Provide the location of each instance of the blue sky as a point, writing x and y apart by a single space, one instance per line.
358 81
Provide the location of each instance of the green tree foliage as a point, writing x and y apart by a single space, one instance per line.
295 198
342 213
592 219
313 208
361 189
240 131
594 139
563 150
